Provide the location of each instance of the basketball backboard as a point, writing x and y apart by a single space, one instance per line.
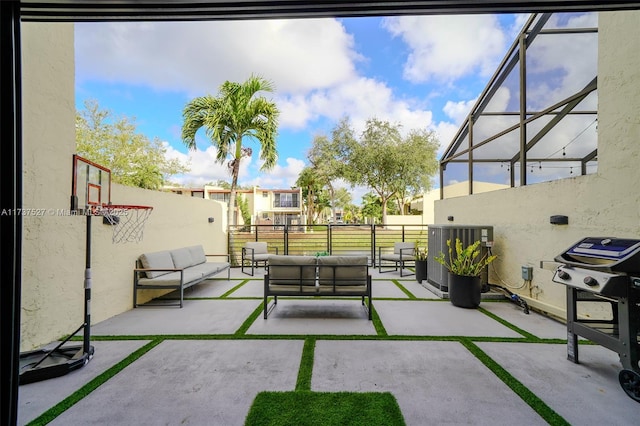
91 185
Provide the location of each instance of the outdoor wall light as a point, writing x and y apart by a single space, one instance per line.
211 220
450 218
559 220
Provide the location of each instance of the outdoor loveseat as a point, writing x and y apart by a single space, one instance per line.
175 269
317 276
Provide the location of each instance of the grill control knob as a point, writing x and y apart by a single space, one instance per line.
564 275
590 281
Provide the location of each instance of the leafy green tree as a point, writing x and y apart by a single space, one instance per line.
220 184
352 214
326 155
418 164
388 163
113 142
243 206
235 114
371 207
374 160
309 182
341 200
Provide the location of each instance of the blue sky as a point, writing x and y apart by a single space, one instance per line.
422 72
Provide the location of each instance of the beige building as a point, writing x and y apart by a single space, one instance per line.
426 203
602 203
266 206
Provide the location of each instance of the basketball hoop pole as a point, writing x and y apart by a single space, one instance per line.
90 188
87 290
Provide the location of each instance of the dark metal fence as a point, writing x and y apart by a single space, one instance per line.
334 239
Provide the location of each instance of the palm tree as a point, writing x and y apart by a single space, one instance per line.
237 113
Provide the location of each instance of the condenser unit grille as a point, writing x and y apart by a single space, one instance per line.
437 274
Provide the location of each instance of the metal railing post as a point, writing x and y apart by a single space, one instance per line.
373 245
286 239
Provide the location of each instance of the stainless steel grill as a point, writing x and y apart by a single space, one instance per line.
605 271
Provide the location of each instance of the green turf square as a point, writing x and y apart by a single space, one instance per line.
302 408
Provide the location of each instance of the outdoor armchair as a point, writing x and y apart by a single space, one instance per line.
254 253
402 252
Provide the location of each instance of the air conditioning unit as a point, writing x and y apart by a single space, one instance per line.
437 274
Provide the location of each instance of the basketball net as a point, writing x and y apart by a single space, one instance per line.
127 221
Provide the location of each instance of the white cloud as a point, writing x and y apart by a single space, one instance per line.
311 62
280 176
446 132
197 57
458 111
203 166
360 99
449 47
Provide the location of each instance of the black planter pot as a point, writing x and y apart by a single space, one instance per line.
421 270
464 292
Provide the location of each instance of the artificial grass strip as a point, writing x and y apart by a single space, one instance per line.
324 409
234 289
377 323
85 390
250 320
305 372
508 324
538 405
404 289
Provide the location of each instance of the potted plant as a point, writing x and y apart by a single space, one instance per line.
465 267
421 264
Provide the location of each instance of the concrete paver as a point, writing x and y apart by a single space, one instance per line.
196 317
387 289
315 316
585 393
212 288
213 381
418 290
538 325
437 319
36 398
201 382
252 288
434 382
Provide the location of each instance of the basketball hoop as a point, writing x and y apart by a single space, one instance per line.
127 221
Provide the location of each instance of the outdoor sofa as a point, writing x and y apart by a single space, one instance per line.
175 269
310 276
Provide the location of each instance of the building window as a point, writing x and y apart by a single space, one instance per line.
286 200
197 194
220 196
265 194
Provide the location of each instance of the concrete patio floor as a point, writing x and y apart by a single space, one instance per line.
204 364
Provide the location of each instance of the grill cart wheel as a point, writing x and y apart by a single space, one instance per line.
630 382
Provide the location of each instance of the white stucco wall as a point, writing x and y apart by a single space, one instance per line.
604 204
53 244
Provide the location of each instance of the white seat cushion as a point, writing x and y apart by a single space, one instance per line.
158 259
256 247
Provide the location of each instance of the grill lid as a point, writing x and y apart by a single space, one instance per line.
603 253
